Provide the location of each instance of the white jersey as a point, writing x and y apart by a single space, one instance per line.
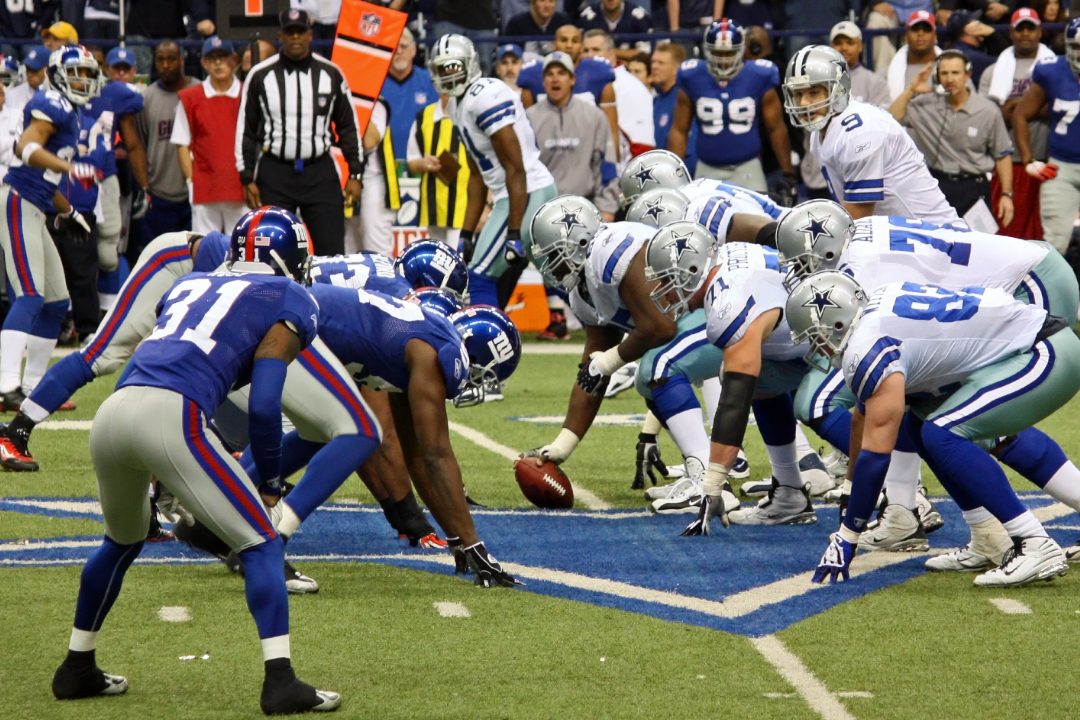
713 202
610 254
17 97
934 336
867 156
892 249
10 130
488 106
747 283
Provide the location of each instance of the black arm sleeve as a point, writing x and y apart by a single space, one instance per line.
732 413
767 235
248 124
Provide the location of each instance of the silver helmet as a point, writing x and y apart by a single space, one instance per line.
812 66
561 232
822 310
678 257
454 65
658 207
812 236
651 170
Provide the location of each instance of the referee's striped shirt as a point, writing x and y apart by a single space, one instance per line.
292 110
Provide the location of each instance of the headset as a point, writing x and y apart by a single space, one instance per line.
945 55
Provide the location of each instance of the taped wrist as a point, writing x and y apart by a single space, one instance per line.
29 150
767 235
736 394
608 361
716 476
563 445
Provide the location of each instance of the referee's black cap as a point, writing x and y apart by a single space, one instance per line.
294 17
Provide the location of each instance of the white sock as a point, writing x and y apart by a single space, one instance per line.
12 346
1064 486
1024 525
289 522
785 464
902 478
710 393
276 647
32 410
688 432
38 354
976 516
82 640
802 445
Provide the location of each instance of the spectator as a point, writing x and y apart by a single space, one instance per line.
993 12
58 35
541 19
438 156
1059 196
961 134
638 66
692 14
818 14
23 21
373 229
101 19
748 13
618 17
475 19
10 129
1053 11
664 70
152 20
633 101
965 33
262 48
920 51
507 66
291 147
407 89
575 142
169 210
758 44
1004 82
34 63
204 133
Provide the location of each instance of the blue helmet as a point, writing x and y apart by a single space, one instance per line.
1072 44
439 300
74 73
722 47
11 72
269 241
493 345
430 263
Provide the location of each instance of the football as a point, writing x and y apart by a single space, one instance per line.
546 486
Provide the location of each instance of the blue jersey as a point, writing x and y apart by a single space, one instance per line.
404 99
209 328
368 332
1062 90
103 113
37 185
663 115
591 76
369 271
26 19
727 115
212 251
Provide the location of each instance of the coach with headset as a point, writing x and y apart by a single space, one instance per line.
961 134
293 105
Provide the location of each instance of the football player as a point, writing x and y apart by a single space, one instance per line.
976 365
869 161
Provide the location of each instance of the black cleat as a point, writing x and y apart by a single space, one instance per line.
73 683
297 697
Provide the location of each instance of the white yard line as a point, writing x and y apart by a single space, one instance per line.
1051 512
65 425
451 610
174 613
47 545
582 495
1010 606
553 349
82 507
806 684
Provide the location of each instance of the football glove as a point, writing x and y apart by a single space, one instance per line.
74 224
169 507
468 245
140 203
713 487
1041 170
487 569
85 174
836 562
514 251
647 462
591 377
786 190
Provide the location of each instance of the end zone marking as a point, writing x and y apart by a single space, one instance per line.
1010 606
791 668
587 499
451 610
174 613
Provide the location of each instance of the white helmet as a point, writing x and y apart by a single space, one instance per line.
811 66
678 257
722 46
454 65
812 236
651 170
658 207
822 310
561 231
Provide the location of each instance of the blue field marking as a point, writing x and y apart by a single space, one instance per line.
645 552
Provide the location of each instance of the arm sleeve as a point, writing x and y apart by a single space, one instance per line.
264 418
345 124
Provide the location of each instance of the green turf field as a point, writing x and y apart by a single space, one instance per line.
926 646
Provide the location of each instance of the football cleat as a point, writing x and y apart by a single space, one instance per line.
782 506
660 492
431 541
14 454
12 401
1072 553
297 583
493 391
740 470
622 379
899 530
74 683
297 697
684 497
815 474
960 560
67 406
1031 559
928 515
836 463
556 328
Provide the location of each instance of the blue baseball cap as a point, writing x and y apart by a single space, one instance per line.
36 57
214 44
509 49
120 56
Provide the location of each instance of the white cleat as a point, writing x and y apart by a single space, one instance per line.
782 506
836 463
684 497
929 516
1031 559
960 560
898 530
297 583
815 474
1072 553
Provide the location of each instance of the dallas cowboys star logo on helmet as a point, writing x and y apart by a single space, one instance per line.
821 300
645 175
654 209
569 219
816 228
678 245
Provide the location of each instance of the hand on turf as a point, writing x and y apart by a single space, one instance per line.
488 570
169 507
710 508
647 461
457 551
836 562
591 377
1041 170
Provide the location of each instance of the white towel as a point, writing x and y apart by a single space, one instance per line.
1001 84
895 76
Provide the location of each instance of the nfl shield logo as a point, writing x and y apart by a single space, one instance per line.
322 102
420 98
370 24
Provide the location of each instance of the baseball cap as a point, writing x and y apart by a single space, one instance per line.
509 49
36 57
294 17
62 31
921 16
120 56
963 19
1025 15
559 58
214 44
846 28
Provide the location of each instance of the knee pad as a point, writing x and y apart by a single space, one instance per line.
672 397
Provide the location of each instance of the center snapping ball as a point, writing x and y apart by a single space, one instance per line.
545 486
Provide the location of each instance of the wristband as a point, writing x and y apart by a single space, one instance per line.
1007 194
563 444
608 361
28 151
652 425
716 476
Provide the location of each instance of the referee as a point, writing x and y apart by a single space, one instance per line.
293 105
